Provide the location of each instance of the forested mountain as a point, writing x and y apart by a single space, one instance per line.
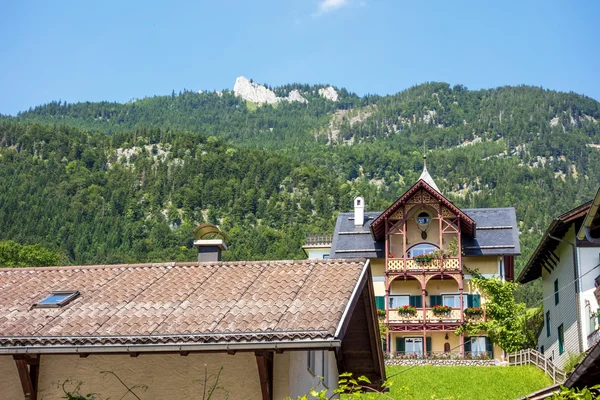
109 182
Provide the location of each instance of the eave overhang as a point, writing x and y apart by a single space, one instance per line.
590 229
544 253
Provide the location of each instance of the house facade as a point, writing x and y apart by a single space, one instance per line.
568 263
268 329
423 250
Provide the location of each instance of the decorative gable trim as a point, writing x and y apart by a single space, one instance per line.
422 192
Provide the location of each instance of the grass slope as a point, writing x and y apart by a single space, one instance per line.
465 383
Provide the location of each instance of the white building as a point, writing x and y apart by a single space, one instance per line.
569 264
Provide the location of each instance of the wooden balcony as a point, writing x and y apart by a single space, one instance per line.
451 264
454 316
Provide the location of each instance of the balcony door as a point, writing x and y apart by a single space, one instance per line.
414 346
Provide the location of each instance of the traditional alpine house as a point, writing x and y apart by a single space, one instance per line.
422 249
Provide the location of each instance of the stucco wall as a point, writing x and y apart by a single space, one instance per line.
10 386
170 376
378 271
486 265
166 376
410 287
565 312
301 380
317 252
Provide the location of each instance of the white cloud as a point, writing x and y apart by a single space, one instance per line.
326 6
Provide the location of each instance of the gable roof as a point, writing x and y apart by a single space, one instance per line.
378 226
557 228
496 234
177 303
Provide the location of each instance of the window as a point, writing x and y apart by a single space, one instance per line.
478 346
561 339
451 300
542 350
420 249
325 256
547 323
413 346
325 367
311 362
423 218
57 299
556 299
396 301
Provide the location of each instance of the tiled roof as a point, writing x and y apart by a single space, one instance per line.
496 234
174 303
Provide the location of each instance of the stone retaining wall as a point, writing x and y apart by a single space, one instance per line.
420 362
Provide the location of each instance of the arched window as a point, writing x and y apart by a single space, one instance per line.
420 249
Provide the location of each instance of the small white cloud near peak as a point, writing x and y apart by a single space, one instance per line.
326 6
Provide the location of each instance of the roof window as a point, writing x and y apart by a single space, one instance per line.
57 299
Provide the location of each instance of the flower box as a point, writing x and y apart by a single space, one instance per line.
440 310
474 311
381 313
406 311
423 258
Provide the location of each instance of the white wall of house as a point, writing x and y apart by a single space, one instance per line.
589 261
565 312
170 376
301 379
318 253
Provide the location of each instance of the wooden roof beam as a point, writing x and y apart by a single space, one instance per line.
264 361
29 371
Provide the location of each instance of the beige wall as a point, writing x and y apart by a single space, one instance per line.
484 264
10 386
438 339
410 286
378 271
438 286
166 376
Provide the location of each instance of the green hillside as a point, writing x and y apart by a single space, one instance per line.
109 182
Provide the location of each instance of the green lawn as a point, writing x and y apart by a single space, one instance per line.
465 383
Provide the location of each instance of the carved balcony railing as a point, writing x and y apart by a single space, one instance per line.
437 264
452 316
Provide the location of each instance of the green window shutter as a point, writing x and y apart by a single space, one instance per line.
556 298
476 300
428 344
469 300
400 345
380 302
467 345
489 347
416 301
561 339
435 300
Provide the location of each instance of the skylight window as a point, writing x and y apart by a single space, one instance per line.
57 299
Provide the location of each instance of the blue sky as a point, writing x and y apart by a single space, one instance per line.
119 50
